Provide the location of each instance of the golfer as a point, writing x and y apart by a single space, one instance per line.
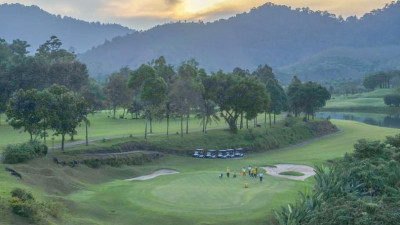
261 176
249 168
228 171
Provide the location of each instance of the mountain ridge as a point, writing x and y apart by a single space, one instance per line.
270 34
34 25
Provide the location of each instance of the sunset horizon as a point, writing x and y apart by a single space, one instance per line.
143 15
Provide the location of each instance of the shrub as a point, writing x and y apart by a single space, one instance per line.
24 204
368 149
20 153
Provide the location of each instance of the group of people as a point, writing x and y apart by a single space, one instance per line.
252 173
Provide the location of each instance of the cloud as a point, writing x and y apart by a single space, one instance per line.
144 14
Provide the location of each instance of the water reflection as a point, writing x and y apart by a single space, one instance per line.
382 120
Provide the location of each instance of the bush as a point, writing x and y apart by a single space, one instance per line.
368 149
23 152
24 204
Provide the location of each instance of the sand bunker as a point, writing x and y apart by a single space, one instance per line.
306 170
154 175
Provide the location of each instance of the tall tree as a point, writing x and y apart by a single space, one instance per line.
294 100
151 90
186 91
67 114
168 74
22 112
278 98
235 95
118 93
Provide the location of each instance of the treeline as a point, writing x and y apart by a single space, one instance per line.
51 91
380 80
306 97
361 188
50 65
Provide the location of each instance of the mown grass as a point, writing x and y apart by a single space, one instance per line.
292 173
369 101
103 125
194 196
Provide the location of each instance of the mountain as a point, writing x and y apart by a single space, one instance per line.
289 40
34 25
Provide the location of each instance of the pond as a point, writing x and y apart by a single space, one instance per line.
383 120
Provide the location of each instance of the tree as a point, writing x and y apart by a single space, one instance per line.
392 100
22 113
294 100
278 98
68 111
313 96
235 95
264 73
118 93
168 74
150 88
186 91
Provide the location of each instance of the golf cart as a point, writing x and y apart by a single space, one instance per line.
212 154
198 153
239 152
230 153
222 154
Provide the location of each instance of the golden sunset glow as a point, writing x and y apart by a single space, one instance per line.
145 13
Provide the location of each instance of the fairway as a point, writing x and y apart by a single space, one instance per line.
197 196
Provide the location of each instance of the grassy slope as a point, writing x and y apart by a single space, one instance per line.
102 126
190 197
196 195
365 101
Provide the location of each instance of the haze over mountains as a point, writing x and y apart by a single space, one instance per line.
312 45
34 25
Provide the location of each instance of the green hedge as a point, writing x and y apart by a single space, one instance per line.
20 153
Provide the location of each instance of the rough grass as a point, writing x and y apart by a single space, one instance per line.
292 173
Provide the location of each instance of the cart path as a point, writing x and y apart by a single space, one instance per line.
154 175
275 171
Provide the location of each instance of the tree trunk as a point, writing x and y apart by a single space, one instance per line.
62 141
44 134
87 134
181 125
145 128
167 125
270 121
241 120
0 118
123 114
151 125
30 133
114 109
187 123
204 125
274 118
265 117
232 125
247 123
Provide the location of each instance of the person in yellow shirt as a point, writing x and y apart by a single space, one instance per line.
228 171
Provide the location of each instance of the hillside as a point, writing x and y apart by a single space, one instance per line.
285 38
32 24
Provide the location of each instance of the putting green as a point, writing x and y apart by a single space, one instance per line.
201 192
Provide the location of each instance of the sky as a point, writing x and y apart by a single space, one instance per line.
144 14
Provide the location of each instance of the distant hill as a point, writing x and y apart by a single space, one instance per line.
34 25
313 45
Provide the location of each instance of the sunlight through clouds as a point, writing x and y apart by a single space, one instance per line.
146 13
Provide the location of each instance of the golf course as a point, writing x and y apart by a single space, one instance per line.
195 195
